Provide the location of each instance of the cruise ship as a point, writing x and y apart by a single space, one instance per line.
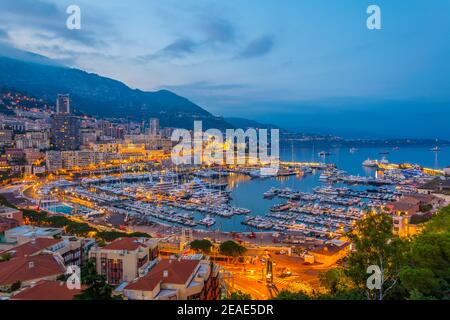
374 163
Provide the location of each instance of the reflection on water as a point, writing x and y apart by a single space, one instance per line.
248 193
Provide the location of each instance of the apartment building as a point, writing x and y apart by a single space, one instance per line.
124 259
177 279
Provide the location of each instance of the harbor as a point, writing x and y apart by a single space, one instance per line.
307 200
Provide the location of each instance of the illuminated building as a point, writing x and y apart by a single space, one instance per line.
63 104
124 259
176 279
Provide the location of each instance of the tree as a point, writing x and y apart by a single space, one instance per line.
289 295
16 286
232 249
97 288
5 256
427 275
202 245
239 295
335 281
376 245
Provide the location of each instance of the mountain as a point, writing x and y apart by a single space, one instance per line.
96 95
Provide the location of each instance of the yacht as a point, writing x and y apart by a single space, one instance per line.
435 149
207 221
370 163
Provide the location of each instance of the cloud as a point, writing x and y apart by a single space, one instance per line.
258 47
42 17
177 49
219 30
207 86
4 36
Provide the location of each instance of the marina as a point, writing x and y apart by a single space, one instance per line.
318 200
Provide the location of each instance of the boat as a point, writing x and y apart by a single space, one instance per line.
383 152
207 221
435 149
353 150
370 163
324 153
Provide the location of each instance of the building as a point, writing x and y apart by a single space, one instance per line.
407 206
65 132
72 250
6 224
176 279
25 233
33 139
124 259
6 137
154 126
33 155
63 104
46 290
11 213
30 269
53 161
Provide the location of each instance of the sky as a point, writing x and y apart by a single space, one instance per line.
310 66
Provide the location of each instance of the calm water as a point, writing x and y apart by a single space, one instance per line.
248 193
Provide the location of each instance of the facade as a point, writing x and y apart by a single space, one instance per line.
65 132
63 104
53 161
154 126
124 259
176 279
11 213
72 250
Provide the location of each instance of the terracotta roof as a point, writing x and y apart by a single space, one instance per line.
32 247
179 272
47 290
130 244
29 268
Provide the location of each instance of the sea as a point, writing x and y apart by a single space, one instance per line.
248 193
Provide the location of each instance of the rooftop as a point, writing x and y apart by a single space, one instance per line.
47 290
32 247
31 231
29 268
129 244
167 272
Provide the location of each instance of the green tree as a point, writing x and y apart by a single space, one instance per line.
335 281
202 245
375 244
239 295
289 295
232 249
97 287
5 256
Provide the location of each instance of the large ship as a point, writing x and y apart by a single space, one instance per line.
374 163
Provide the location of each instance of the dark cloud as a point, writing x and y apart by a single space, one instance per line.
257 47
177 49
49 18
219 30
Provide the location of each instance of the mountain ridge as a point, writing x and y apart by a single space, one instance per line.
97 95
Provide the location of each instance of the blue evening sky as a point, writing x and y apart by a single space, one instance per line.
305 65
